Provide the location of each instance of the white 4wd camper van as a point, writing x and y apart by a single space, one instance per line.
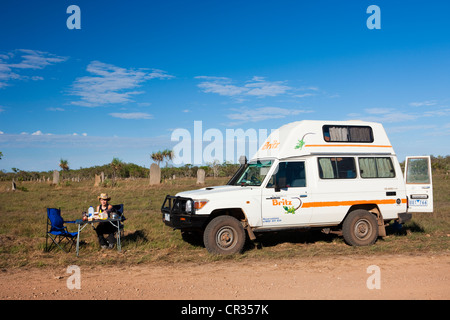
340 176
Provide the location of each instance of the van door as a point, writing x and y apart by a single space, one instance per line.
284 199
418 181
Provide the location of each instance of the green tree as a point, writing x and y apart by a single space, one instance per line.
157 157
64 164
116 164
169 155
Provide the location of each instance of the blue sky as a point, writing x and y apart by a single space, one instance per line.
137 70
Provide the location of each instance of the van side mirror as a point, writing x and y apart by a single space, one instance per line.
242 160
280 184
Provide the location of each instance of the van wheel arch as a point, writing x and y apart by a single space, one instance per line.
236 213
233 212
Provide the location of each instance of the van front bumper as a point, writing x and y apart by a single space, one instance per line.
174 214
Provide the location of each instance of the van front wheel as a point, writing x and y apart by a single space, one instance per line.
360 228
224 235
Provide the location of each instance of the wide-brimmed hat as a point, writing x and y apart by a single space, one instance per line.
104 196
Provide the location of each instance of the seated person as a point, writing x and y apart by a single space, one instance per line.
105 227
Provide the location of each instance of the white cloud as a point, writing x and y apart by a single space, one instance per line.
257 86
264 113
212 78
304 95
33 59
396 117
419 128
82 142
386 115
219 85
262 88
390 115
109 84
15 62
312 88
444 112
132 115
378 110
423 103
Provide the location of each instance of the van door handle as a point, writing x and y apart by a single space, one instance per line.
303 195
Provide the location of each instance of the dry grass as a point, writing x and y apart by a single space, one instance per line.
147 239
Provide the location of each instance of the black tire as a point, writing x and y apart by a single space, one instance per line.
224 235
360 228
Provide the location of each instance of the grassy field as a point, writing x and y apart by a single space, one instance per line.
148 240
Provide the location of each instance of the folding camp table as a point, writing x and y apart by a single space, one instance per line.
82 224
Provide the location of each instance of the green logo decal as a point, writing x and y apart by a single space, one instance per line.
301 142
292 209
289 209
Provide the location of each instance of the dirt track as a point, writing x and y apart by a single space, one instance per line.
401 277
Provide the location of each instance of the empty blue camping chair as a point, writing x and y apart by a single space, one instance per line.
57 231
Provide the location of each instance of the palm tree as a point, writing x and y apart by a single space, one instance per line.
157 157
116 164
64 164
169 155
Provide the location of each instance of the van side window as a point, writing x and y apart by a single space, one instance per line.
289 174
347 133
337 168
372 167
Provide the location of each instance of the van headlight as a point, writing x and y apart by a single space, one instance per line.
188 208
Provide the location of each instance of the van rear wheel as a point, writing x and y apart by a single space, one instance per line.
224 235
360 228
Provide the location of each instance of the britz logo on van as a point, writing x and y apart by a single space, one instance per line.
269 145
288 205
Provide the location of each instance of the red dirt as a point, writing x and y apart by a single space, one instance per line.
401 277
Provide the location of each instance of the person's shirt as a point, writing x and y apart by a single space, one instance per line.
99 208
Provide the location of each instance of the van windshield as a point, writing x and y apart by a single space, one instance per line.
253 173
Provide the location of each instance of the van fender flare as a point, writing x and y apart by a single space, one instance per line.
372 208
237 213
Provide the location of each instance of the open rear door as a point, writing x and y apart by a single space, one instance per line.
419 184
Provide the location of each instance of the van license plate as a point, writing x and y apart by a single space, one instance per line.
418 203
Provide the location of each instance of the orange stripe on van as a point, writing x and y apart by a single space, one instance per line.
348 203
349 145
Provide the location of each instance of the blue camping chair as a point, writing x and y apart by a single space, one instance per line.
118 208
57 231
